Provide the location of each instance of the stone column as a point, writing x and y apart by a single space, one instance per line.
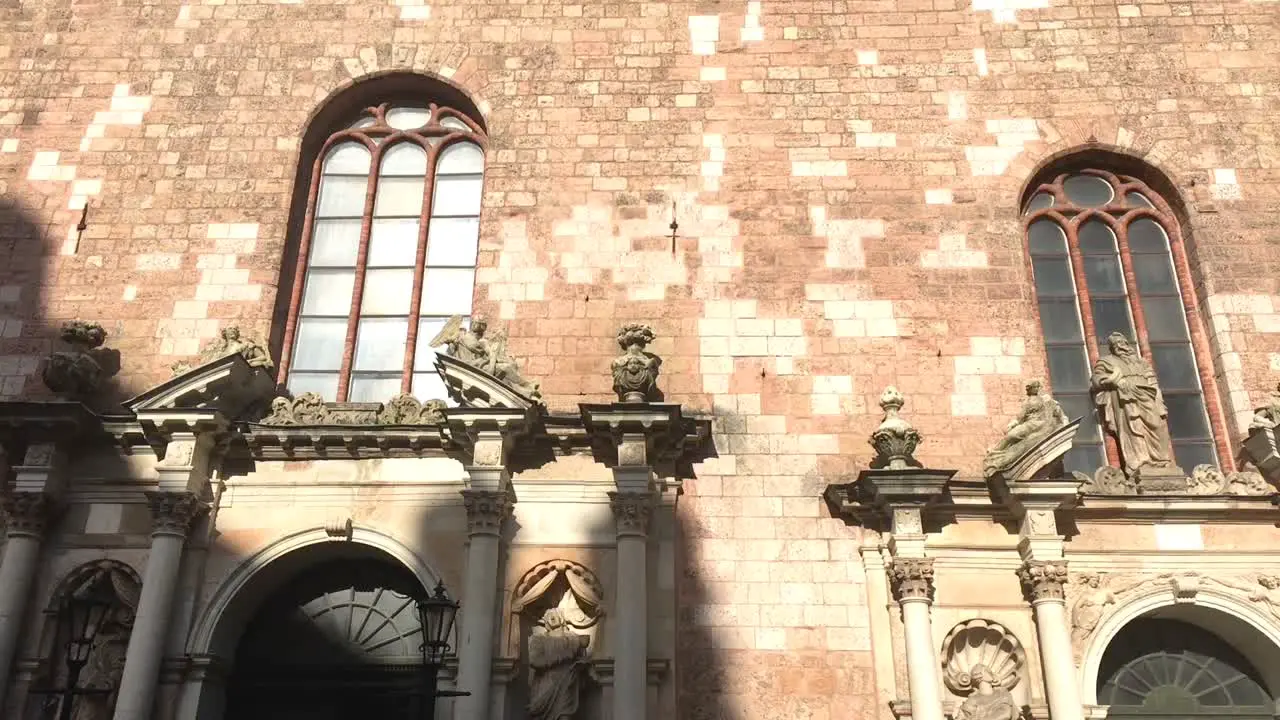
912 580
881 624
1044 582
172 514
632 511
486 512
26 514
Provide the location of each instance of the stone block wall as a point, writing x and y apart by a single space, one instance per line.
845 177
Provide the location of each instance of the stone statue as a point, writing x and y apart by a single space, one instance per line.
229 342
1089 609
557 658
485 353
987 702
1268 416
76 373
1131 406
1040 416
635 372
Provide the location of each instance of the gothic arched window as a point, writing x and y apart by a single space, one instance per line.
387 254
1107 256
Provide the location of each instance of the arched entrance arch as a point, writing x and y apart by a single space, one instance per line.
1221 634
347 602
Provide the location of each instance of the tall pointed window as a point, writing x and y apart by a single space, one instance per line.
388 253
1107 256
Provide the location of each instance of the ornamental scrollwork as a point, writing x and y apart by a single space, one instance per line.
172 513
486 510
632 511
1044 579
26 513
911 578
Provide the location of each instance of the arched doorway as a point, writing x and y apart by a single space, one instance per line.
339 640
1159 667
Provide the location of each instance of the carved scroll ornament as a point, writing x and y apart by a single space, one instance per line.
985 643
582 603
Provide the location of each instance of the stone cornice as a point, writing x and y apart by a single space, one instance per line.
671 441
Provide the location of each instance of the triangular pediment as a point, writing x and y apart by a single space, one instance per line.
228 385
471 387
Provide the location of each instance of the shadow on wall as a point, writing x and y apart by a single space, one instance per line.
31 321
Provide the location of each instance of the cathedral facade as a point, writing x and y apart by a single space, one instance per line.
495 360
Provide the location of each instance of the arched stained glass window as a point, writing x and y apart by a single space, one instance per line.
1172 668
1106 257
388 253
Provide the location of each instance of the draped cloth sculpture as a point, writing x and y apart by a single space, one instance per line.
557 662
987 702
1132 407
486 353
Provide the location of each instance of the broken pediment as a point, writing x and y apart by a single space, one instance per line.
228 385
472 387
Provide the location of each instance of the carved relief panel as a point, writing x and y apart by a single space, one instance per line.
984 667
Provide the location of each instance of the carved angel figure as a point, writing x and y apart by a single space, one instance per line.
1268 416
1090 608
1039 417
557 659
230 342
987 702
485 353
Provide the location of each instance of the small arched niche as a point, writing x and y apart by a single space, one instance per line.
1189 662
572 595
117 586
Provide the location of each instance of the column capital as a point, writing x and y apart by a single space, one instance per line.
1044 580
632 511
486 510
26 513
172 513
911 579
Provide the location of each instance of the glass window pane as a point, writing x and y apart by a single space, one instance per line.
342 196
1068 368
348 158
404 159
403 118
453 123
328 292
457 196
387 292
1084 457
1088 190
453 241
323 384
393 242
447 291
428 328
1096 237
1187 418
1188 454
372 389
1103 275
335 243
1053 276
1081 406
1165 319
429 386
1146 235
1046 237
1137 199
1040 202
1175 367
380 344
1154 274
319 344
1060 321
363 122
1111 316
399 197
462 158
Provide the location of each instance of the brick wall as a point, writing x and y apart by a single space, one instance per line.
845 176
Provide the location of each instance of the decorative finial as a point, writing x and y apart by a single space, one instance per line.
76 373
635 371
895 440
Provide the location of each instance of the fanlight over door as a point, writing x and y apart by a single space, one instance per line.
1171 669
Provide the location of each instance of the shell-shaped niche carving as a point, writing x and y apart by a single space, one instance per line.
573 589
986 643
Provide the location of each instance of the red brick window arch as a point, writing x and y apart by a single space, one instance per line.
1107 256
388 252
